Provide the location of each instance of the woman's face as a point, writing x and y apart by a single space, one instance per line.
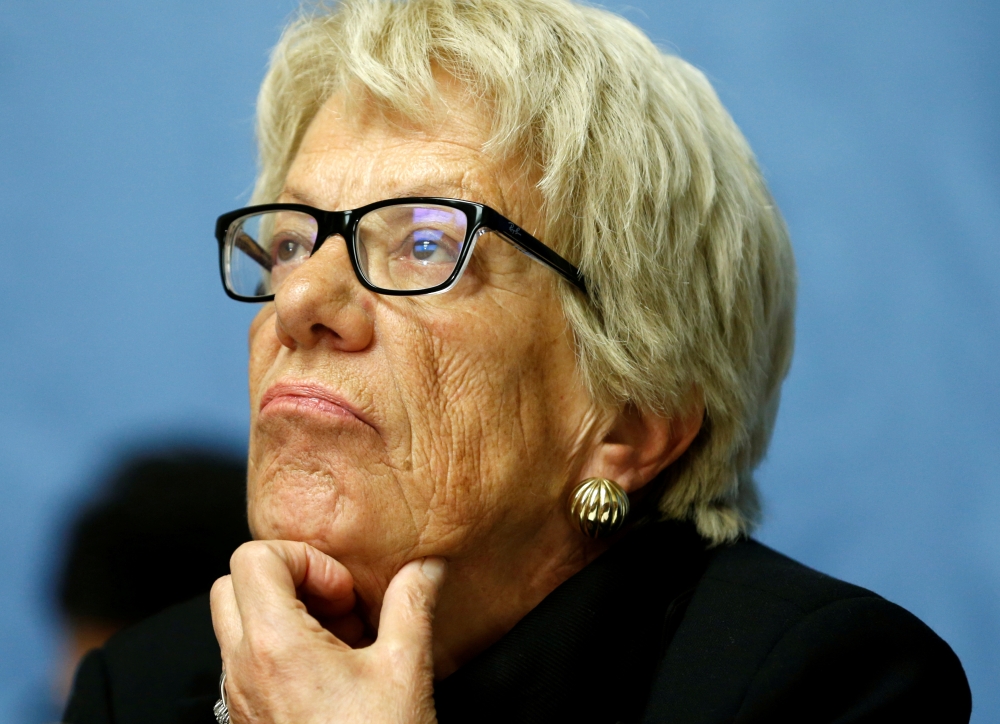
387 428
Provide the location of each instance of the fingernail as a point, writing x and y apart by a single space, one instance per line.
434 568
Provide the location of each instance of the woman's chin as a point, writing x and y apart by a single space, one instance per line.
349 533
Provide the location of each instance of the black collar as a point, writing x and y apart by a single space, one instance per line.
588 652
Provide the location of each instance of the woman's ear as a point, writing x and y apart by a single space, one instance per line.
640 443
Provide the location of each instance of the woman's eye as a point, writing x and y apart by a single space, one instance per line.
432 246
288 250
424 249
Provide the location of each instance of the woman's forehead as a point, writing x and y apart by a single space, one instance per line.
348 158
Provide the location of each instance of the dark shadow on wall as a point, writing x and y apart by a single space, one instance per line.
160 530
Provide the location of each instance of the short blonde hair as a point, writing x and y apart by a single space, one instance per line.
648 186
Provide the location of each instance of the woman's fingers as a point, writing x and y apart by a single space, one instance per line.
226 615
327 605
327 584
269 576
273 581
408 607
283 666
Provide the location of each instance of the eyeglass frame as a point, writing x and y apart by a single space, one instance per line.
482 219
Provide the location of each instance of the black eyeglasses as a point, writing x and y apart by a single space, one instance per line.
400 247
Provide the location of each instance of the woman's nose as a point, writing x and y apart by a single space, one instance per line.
322 301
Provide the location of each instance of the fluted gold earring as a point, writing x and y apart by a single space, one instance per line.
599 506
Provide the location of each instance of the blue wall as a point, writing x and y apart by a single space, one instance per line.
125 128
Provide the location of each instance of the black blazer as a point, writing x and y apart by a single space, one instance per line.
658 629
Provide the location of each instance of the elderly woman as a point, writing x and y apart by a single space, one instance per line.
528 307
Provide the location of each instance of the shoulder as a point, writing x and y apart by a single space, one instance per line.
749 575
765 638
164 669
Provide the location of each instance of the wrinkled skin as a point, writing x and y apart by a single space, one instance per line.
471 427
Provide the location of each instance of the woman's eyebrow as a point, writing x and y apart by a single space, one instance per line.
298 197
448 189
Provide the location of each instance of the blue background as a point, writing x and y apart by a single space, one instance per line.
126 127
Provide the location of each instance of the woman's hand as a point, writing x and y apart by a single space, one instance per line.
283 665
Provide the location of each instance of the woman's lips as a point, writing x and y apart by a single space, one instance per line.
309 397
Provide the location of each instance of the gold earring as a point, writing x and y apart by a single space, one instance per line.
599 506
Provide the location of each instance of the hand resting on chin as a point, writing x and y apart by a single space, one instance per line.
294 649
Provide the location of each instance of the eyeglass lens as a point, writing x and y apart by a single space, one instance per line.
403 247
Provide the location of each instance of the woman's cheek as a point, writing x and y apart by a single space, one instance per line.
263 350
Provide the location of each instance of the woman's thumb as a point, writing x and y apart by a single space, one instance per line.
409 603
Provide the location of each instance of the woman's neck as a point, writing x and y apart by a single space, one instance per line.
488 592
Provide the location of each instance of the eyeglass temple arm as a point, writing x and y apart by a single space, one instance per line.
531 246
252 249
